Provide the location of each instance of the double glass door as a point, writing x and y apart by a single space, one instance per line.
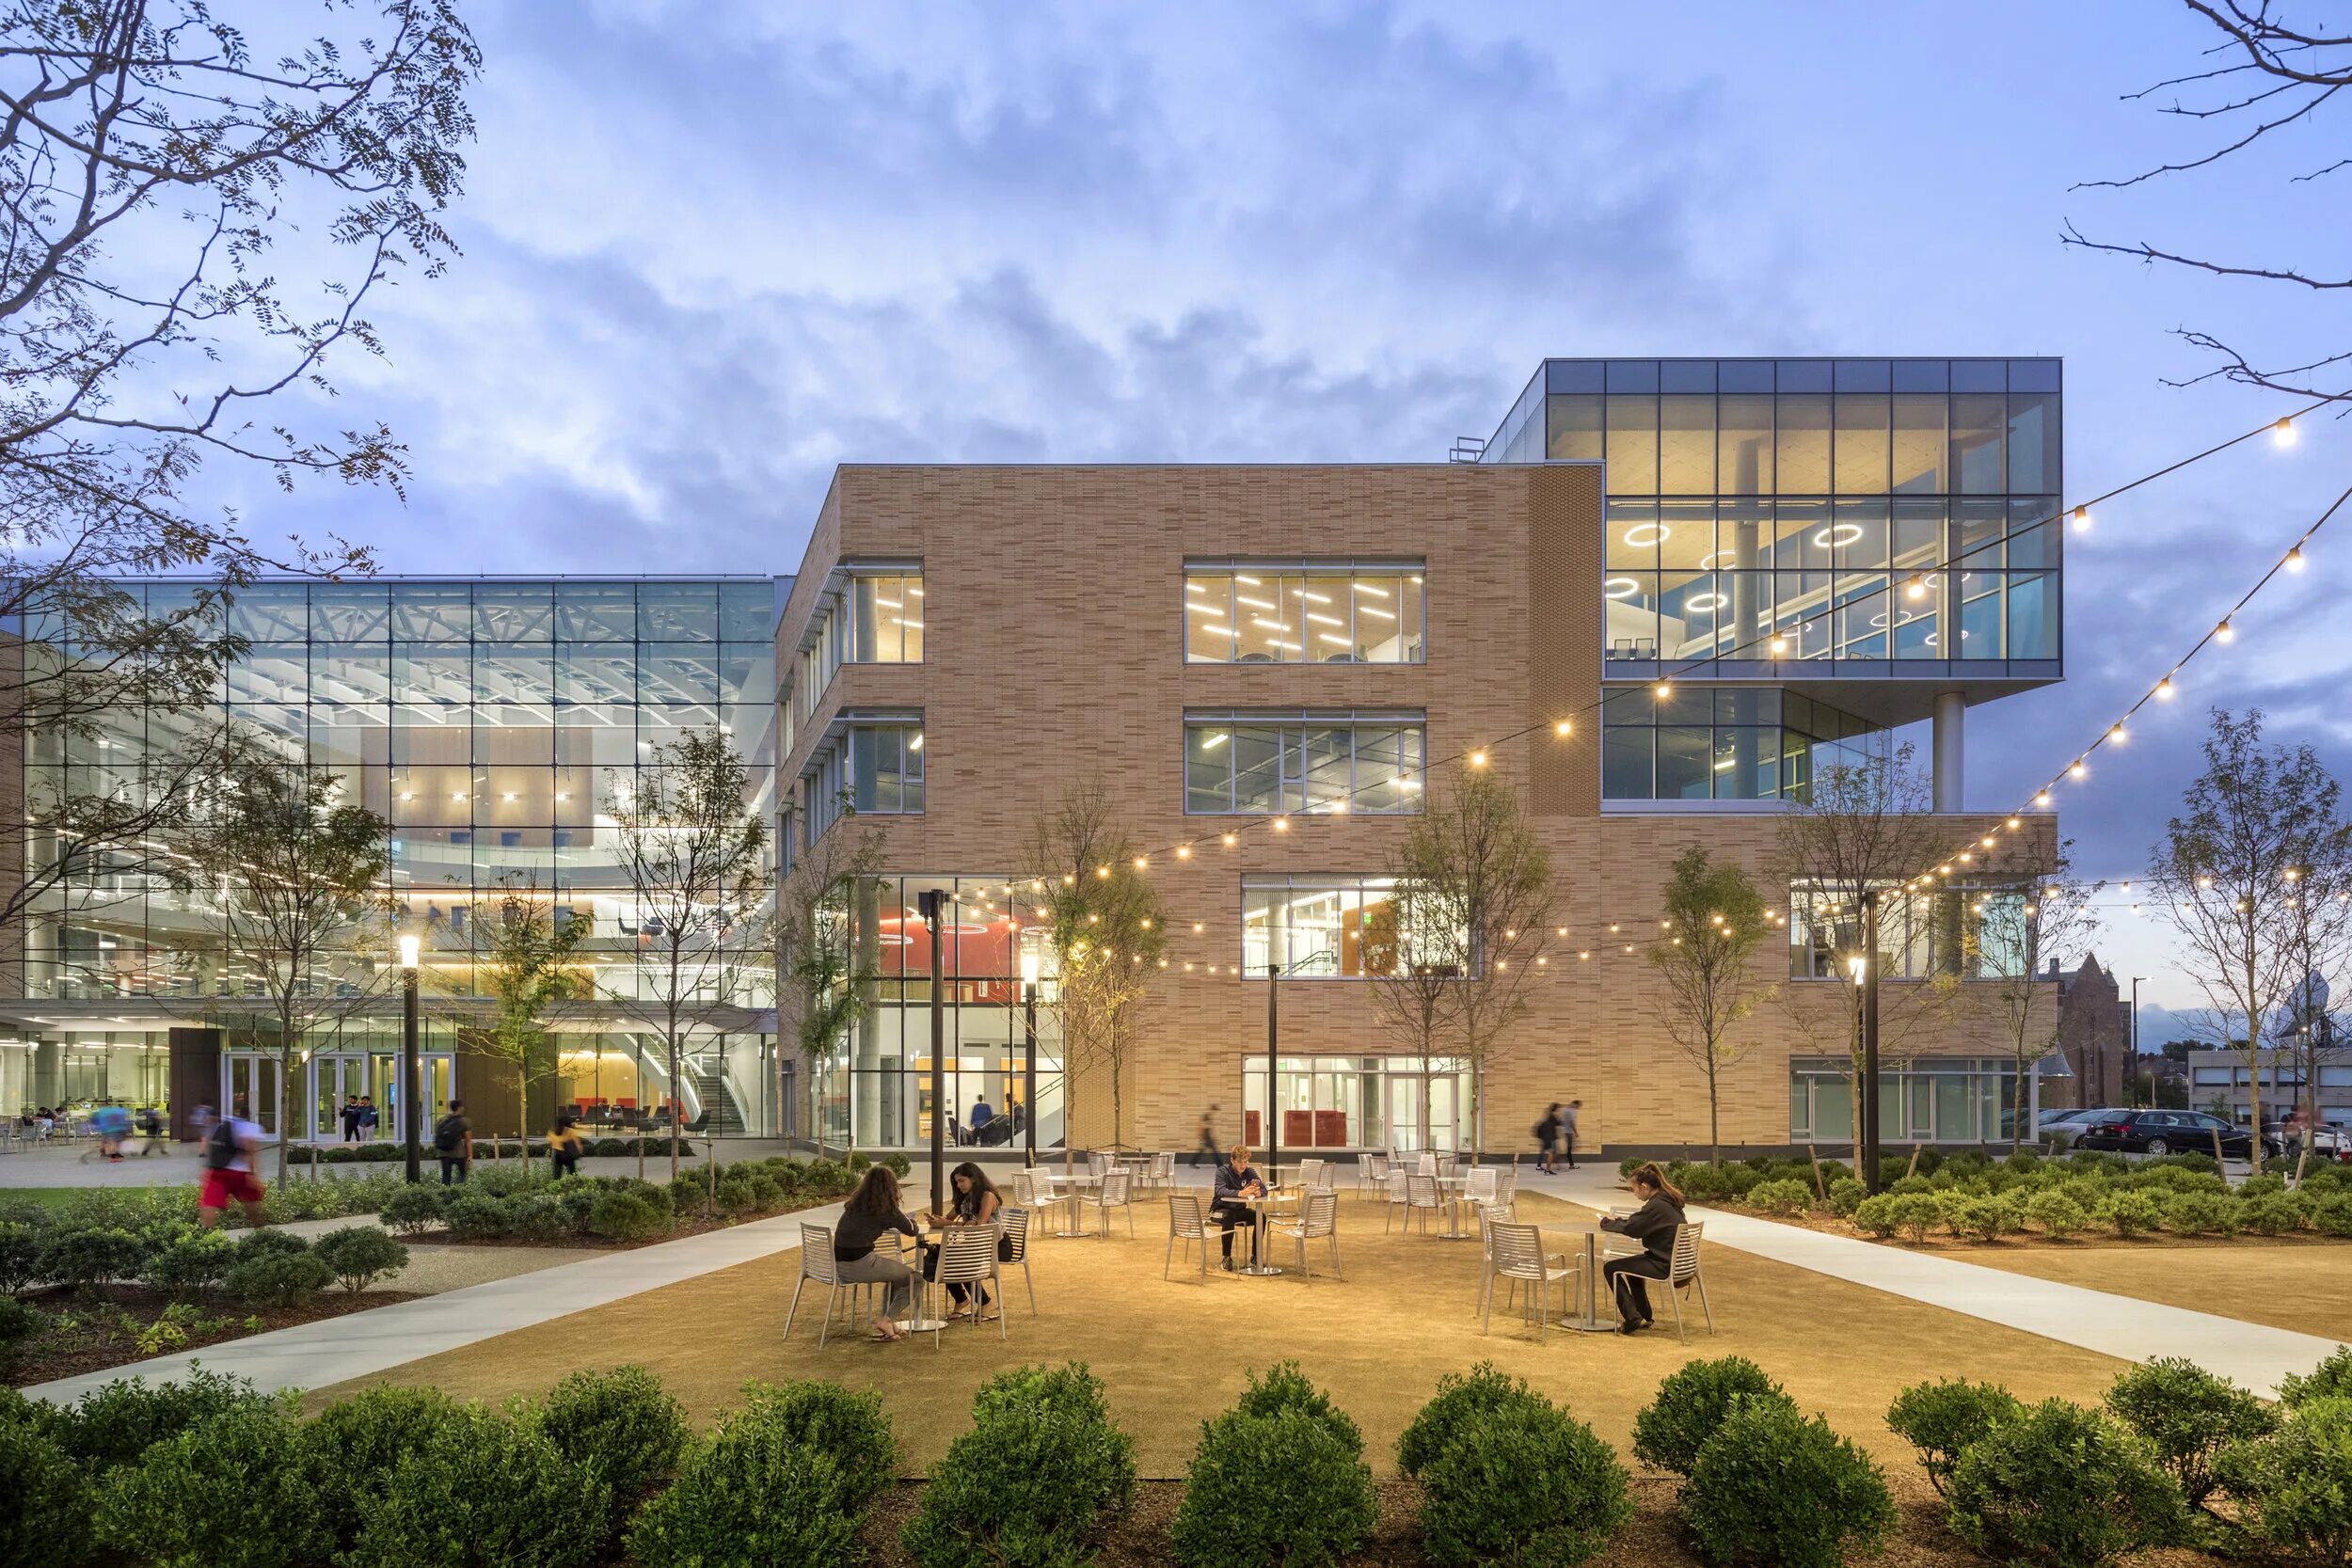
339 1079
384 1077
1406 1093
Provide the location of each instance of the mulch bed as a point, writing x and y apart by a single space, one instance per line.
95 1347
585 1241
1921 1539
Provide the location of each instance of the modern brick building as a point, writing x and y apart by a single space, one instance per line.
1806 553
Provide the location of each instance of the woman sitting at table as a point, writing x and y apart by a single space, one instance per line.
1653 1225
973 1202
1236 1181
871 1210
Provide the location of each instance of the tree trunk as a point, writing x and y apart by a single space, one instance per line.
2253 1080
1714 1118
285 1091
2017 1112
522 1118
678 1100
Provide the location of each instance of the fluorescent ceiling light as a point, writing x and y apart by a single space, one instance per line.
1367 588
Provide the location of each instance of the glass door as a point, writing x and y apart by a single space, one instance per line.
339 1080
253 1085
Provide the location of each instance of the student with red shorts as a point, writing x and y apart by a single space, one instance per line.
229 1153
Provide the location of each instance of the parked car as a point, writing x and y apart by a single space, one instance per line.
2064 1125
2167 1132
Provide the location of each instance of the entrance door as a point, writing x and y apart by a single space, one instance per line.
252 1082
438 1071
1407 1091
339 1079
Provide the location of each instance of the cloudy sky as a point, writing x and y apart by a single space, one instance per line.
711 250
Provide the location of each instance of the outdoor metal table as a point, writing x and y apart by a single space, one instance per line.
1078 1182
1262 1207
924 1321
1452 1189
1591 1321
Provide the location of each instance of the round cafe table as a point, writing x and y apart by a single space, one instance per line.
925 1320
1589 1234
1262 1207
1079 1183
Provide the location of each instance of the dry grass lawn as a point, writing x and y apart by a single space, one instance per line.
2298 1286
1173 1354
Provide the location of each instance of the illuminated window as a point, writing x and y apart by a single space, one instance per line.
1300 612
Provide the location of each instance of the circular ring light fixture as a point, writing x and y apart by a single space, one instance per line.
1837 534
1659 534
1619 588
1700 604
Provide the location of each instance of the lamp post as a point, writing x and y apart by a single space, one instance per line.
409 1070
934 905
1866 977
1030 965
1273 1110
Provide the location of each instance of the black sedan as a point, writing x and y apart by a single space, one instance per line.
2167 1132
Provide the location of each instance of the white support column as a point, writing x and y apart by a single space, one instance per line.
1951 723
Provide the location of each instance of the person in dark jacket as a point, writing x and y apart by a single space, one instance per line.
1236 1181
871 1210
1653 1225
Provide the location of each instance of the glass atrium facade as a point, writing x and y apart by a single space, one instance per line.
490 722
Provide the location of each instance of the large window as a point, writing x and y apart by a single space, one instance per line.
1302 612
1392 1102
1328 927
873 765
877 618
1265 765
1970 930
1723 743
1931 1100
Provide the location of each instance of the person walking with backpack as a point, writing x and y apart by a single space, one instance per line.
452 1140
230 1145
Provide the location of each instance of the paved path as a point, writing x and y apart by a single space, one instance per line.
333 1350
2255 1355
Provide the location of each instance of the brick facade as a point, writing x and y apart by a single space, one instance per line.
1054 648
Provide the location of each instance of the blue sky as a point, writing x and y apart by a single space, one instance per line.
712 250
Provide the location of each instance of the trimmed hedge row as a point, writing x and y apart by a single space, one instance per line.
264 1268
2175 1456
380 1151
1973 1196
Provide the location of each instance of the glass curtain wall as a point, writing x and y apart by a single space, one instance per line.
1724 743
1936 1099
1358 1102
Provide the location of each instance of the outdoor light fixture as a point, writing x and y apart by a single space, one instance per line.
2223 632
2282 434
1665 689
409 945
2295 559
2082 519
2164 689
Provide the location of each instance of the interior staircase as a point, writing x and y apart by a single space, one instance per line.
710 1088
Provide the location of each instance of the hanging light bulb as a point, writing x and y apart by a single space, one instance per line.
1665 689
2078 770
2223 632
2164 690
1478 759
2082 519
2115 735
2295 559
1780 644
1562 728
2282 434
1917 588
2042 798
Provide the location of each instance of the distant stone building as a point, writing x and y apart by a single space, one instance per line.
2094 1035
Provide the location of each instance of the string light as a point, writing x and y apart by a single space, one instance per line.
2079 770
2295 559
1917 588
1184 851
2082 519
2224 632
1564 728
2115 735
1780 644
2282 434
1282 824
1478 759
1665 689
1231 841
2164 690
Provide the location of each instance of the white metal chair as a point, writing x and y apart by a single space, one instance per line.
1372 1174
1163 1175
967 1256
1684 1273
1515 1252
1480 1186
1030 1193
1186 1223
1114 1193
1423 1196
1319 1220
817 1263
1313 1174
1014 1223
1428 1165
1098 1163
1398 1199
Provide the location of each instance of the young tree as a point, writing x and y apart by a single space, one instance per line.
294 878
1861 830
2319 936
817 943
695 858
2024 928
1477 888
1413 985
1704 953
1107 930
2229 875
529 966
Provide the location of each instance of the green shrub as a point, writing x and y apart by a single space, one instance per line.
23 1249
115 1424
1286 1387
2332 1214
2330 1380
1773 1489
622 1427
1462 1400
269 1243
900 1165
2195 1213
857 1163
1915 1213
19 1322
415 1209
2186 1416
2133 1211
1942 1418
1876 1215
2064 1487
785 1482
92 1255
359 1254
1904 1186
230 1491
1521 1483
279 1279
2274 1214
1785 1197
197 1260
1272 1490
623 1216
1032 1482
48 1524
1846 1194
688 1198
355 1444
479 1216
2055 1215
1983 1219
542 1217
2293 1488
1695 1401
481 1492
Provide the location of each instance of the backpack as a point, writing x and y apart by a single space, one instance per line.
220 1145
447 1135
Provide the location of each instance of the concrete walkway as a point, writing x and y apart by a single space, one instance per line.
334 1350
2254 1355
